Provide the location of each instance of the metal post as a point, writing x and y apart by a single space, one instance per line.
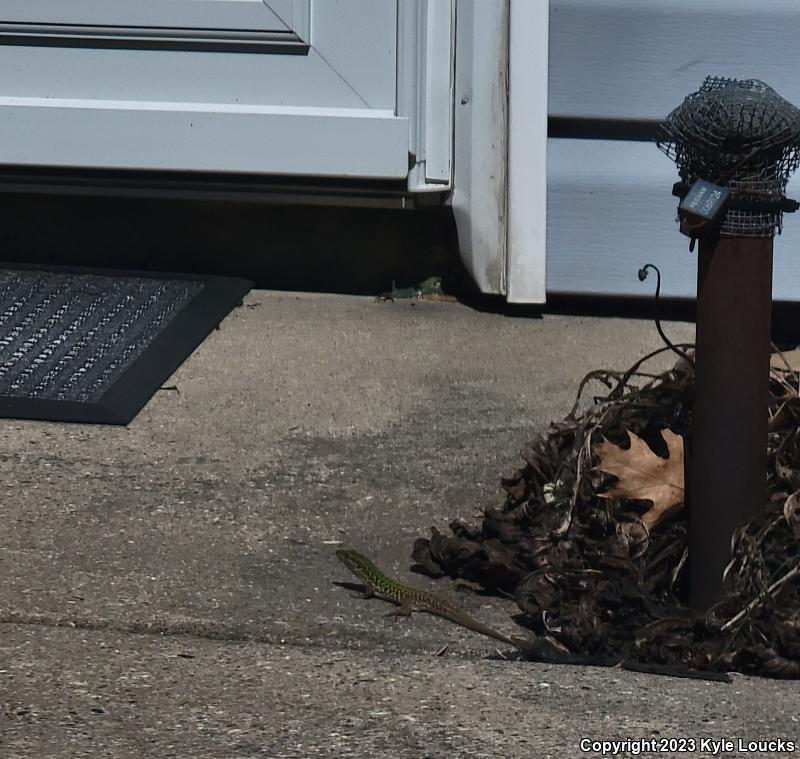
729 447
735 143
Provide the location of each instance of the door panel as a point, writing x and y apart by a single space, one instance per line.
187 14
332 106
202 77
235 26
375 36
183 136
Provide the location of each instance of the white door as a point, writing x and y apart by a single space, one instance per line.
297 87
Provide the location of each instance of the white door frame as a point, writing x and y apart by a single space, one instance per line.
526 275
499 188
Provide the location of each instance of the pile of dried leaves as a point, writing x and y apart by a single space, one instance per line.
592 540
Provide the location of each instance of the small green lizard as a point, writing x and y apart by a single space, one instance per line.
428 289
543 649
412 599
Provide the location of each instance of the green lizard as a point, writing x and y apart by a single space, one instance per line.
412 599
428 289
542 649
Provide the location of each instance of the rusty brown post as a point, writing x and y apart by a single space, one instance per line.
735 143
729 445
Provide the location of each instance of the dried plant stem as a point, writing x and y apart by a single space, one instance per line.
776 349
624 381
761 596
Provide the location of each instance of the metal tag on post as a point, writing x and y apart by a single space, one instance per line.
702 207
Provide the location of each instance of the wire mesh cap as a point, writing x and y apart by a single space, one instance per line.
741 134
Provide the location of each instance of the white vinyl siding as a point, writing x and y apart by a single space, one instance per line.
609 203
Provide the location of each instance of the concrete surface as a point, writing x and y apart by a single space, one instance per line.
169 588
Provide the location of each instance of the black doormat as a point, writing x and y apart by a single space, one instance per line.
93 345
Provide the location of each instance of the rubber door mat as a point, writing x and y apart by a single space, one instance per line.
94 345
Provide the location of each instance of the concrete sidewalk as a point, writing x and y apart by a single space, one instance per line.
168 589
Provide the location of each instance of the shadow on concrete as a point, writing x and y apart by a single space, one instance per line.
280 247
357 251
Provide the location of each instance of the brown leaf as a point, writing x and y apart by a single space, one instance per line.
787 474
515 485
780 420
791 510
779 361
636 537
644 476
684 366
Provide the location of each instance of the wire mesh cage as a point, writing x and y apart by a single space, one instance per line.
740 134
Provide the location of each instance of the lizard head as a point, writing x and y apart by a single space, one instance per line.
353 560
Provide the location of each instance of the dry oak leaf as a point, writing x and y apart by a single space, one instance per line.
786 361
791 510
645 476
